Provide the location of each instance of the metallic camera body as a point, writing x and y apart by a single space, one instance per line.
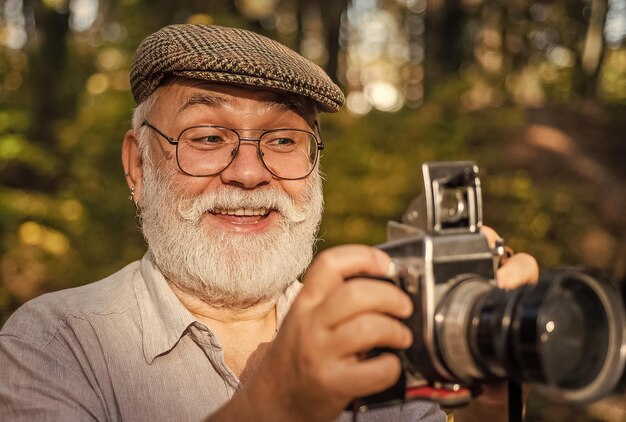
439 239
436 249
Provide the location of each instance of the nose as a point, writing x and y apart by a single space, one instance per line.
246 171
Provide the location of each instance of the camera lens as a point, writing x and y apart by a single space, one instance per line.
565 334
573 335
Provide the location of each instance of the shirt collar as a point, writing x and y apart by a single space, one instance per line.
165 319
285 300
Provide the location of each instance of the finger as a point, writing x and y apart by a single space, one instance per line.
491 235
371 375
333 266
520 269
358 378
360 295
367 331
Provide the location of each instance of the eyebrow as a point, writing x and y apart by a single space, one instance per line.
280 103
204 99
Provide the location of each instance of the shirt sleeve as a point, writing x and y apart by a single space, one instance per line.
37 385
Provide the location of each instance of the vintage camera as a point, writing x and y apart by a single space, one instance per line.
565 334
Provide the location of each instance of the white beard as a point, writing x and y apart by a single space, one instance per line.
224 268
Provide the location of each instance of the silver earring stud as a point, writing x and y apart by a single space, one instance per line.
131 197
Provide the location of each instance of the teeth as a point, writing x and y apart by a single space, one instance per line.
240 212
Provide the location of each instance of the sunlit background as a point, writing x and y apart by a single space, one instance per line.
535 91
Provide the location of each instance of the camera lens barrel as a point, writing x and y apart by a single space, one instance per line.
452 321
565 334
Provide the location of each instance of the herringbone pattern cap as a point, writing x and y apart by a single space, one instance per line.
232 56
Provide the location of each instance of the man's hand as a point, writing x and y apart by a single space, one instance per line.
313 370
519 269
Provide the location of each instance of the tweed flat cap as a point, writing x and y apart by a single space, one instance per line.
228 55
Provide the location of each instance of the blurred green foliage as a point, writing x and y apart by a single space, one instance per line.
65 105
548 138
505 86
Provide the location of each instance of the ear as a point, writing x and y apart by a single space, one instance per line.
133 164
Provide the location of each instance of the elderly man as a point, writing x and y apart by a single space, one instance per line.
222 164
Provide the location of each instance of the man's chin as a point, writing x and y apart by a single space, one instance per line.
220 292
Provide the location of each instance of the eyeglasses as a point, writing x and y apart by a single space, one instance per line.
207 150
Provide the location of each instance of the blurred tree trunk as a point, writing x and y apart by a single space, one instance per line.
332 10
48 72
49 98
593 48
299 24
445 20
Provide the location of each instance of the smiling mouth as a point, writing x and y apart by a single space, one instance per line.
243 212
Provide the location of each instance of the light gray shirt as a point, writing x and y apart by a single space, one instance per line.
125 348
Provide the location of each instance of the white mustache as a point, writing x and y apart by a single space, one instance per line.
225 198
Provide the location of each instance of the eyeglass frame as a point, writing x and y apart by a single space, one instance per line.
172 141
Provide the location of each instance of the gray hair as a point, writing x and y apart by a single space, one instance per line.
140 114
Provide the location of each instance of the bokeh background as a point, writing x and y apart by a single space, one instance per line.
534 91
